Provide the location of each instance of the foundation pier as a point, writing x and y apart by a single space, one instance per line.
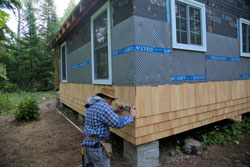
142 155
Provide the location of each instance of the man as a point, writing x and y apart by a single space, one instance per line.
99 116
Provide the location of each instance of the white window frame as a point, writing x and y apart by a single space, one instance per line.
175 44
244 54
108 81
64 44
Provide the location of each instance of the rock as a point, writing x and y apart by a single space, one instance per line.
237 118
193 147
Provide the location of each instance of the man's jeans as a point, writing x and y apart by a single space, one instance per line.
97 156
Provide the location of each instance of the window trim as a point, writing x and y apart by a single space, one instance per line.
108 81
175 44
64 44
243 54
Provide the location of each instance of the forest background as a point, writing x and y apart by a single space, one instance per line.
25 62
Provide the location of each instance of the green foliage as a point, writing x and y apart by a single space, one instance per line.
28 64
178 147
3 73
216 134
9 101
68 111
172 153
8 87
6 4
232 131
5 103
10 4
67 12
3 18
49 21
27 110
177 150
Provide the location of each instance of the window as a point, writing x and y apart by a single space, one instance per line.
64 62
101 45
244 38
188 25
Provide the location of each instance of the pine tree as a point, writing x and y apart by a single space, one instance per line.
30 46
49 21
48 29
6 36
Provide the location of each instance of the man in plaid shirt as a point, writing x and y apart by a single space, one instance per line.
99 116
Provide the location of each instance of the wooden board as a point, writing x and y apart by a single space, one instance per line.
167 98
167 109
75 96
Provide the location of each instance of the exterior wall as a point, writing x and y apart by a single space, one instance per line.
145 65
79 46
146 23
152 68
168 109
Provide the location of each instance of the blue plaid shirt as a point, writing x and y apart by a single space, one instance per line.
99 116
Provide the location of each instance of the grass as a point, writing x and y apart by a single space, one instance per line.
9 101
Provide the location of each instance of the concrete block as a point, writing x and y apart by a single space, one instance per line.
142 155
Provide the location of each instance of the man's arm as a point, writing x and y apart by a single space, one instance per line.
111 119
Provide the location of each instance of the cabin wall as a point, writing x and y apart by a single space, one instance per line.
79 65
167 110
146 25
153 30
146 68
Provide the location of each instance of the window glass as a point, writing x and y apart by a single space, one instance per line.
101 46
181 23
244 37
195 26
101 63
188 25
100 29
63 63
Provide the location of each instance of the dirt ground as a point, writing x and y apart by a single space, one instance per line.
229 155
53 142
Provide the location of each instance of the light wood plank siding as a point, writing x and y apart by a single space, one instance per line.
168 109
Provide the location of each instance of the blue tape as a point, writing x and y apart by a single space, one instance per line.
244 75
168 10
221 58
138 48
79 65
188 77
141 48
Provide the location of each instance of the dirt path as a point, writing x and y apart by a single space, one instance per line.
50 141
54 142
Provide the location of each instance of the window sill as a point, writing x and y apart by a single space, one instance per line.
245 54
102 82
189 47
